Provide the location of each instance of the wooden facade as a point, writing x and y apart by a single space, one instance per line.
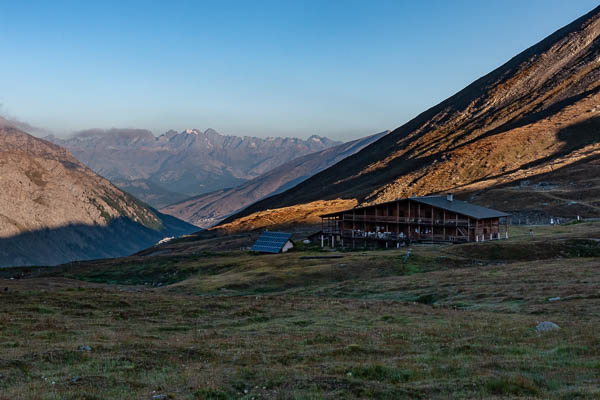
431 219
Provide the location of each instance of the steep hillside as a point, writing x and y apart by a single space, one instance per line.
53 209
149 191
535 114
208 209
173 166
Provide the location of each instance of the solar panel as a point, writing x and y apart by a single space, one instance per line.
271 242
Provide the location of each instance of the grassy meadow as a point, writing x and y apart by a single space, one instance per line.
187 322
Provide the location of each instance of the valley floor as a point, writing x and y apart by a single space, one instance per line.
450 322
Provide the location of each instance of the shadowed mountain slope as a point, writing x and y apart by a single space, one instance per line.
529 117
53 209
208 209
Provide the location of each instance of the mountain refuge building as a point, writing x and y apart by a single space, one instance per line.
424 219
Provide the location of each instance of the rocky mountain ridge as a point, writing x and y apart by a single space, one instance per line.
532 117
207 209
176 165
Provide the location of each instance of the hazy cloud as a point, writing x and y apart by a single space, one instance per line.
7 120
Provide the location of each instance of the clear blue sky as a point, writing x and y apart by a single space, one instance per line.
288 68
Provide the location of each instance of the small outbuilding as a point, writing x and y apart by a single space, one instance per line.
273 242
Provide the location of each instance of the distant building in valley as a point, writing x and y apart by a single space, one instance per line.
273 242
429 218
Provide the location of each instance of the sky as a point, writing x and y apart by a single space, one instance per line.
342 69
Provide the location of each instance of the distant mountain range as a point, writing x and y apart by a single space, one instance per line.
524 138
207 209
176 165
53 209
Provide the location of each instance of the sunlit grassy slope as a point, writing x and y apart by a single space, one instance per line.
451 321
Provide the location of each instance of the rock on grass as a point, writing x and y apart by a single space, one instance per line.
546 326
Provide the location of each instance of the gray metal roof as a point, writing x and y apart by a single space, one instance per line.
271 242
460 207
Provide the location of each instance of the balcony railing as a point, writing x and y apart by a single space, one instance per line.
405 220
392 236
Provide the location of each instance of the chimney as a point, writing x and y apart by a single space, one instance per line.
450 197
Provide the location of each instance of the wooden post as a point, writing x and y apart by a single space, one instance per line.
397 219
419 218
432 223
444 222
469 229
409 231
456 223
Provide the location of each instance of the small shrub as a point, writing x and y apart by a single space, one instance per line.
174 328
354 348
321 339
302 323
212 394
380 373
257 320
517 386
41 310
574 222
566 350
430 298
384 394
410 269
390 319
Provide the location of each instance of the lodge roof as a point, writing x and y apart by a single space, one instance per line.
457 206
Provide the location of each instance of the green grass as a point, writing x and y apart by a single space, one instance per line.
234 325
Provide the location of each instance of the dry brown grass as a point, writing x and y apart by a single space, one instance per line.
237 325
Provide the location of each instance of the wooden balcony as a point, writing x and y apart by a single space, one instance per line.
405 220
393 236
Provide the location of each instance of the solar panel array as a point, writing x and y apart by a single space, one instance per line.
271 242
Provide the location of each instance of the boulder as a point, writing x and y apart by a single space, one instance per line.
546 326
